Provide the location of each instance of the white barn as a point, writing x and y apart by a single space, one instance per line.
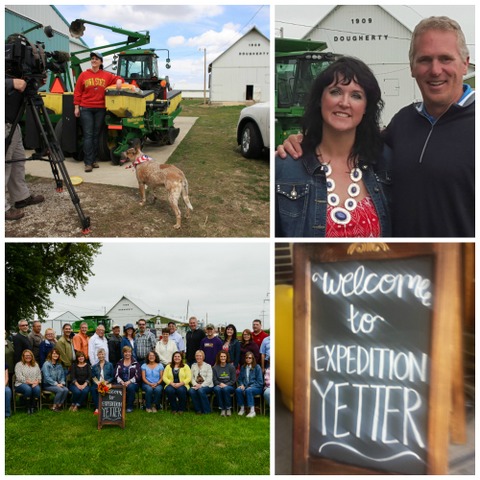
380 36
242 72
128 310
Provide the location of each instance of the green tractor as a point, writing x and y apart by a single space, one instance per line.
93 321
297 64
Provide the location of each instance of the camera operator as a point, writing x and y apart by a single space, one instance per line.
19 194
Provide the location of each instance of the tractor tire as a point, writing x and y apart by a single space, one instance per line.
251 144
103 145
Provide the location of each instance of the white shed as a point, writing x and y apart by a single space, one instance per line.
242 72
380 36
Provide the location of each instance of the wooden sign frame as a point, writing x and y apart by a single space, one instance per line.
102 421
445 411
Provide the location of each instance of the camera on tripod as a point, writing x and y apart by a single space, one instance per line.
30 61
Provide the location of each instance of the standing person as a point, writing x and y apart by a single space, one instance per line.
27 379
250 383
54 379
19 194
80 378
211 344
89 100
80 341
202 384
152 375
128 339
66 349
248 345
145 341
334 190
47 344
424 138
128 373
115 345
165 347
96 342
103 371
177 378
21 341
193 338
36 339
224 379
232 345
265 353
258 335
430 198
176 337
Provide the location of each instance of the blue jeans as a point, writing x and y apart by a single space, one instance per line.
132 389
177 397
94 394
29 393
60 393
154 394
266 396
249 393
79 397
8 401
93 120
200 400
224 396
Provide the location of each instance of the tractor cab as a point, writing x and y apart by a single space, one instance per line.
139 67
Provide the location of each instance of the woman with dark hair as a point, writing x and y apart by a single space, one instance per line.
80 376
250 384
152 374
231 344
128 339
127 373
177 378
339 186
27 379
54 380
247 344
89 101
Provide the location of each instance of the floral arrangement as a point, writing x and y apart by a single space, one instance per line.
102 387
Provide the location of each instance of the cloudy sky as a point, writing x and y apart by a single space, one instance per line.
297 20
227 281
183 29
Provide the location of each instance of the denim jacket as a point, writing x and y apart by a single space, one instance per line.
301 196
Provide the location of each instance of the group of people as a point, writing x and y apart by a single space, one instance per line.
345 177
203 365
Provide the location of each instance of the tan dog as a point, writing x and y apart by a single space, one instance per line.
153 175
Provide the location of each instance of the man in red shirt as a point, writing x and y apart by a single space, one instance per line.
258 334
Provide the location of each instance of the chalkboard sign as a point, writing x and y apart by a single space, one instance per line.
365 357
111 407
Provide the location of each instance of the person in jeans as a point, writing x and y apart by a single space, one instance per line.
202 384
80 377
250 383
89 101
54 379
127 373
102 371
27 379
224 379
152 375
177 378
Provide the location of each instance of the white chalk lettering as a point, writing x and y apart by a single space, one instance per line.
365 323
360 283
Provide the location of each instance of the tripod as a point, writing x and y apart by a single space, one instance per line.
51 149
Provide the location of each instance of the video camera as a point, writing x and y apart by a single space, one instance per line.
30 61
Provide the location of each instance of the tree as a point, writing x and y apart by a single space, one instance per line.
33 270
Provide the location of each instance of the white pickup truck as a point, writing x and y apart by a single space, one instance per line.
253 130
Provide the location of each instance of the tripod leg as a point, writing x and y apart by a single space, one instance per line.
56 157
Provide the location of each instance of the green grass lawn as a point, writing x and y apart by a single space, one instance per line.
68 443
